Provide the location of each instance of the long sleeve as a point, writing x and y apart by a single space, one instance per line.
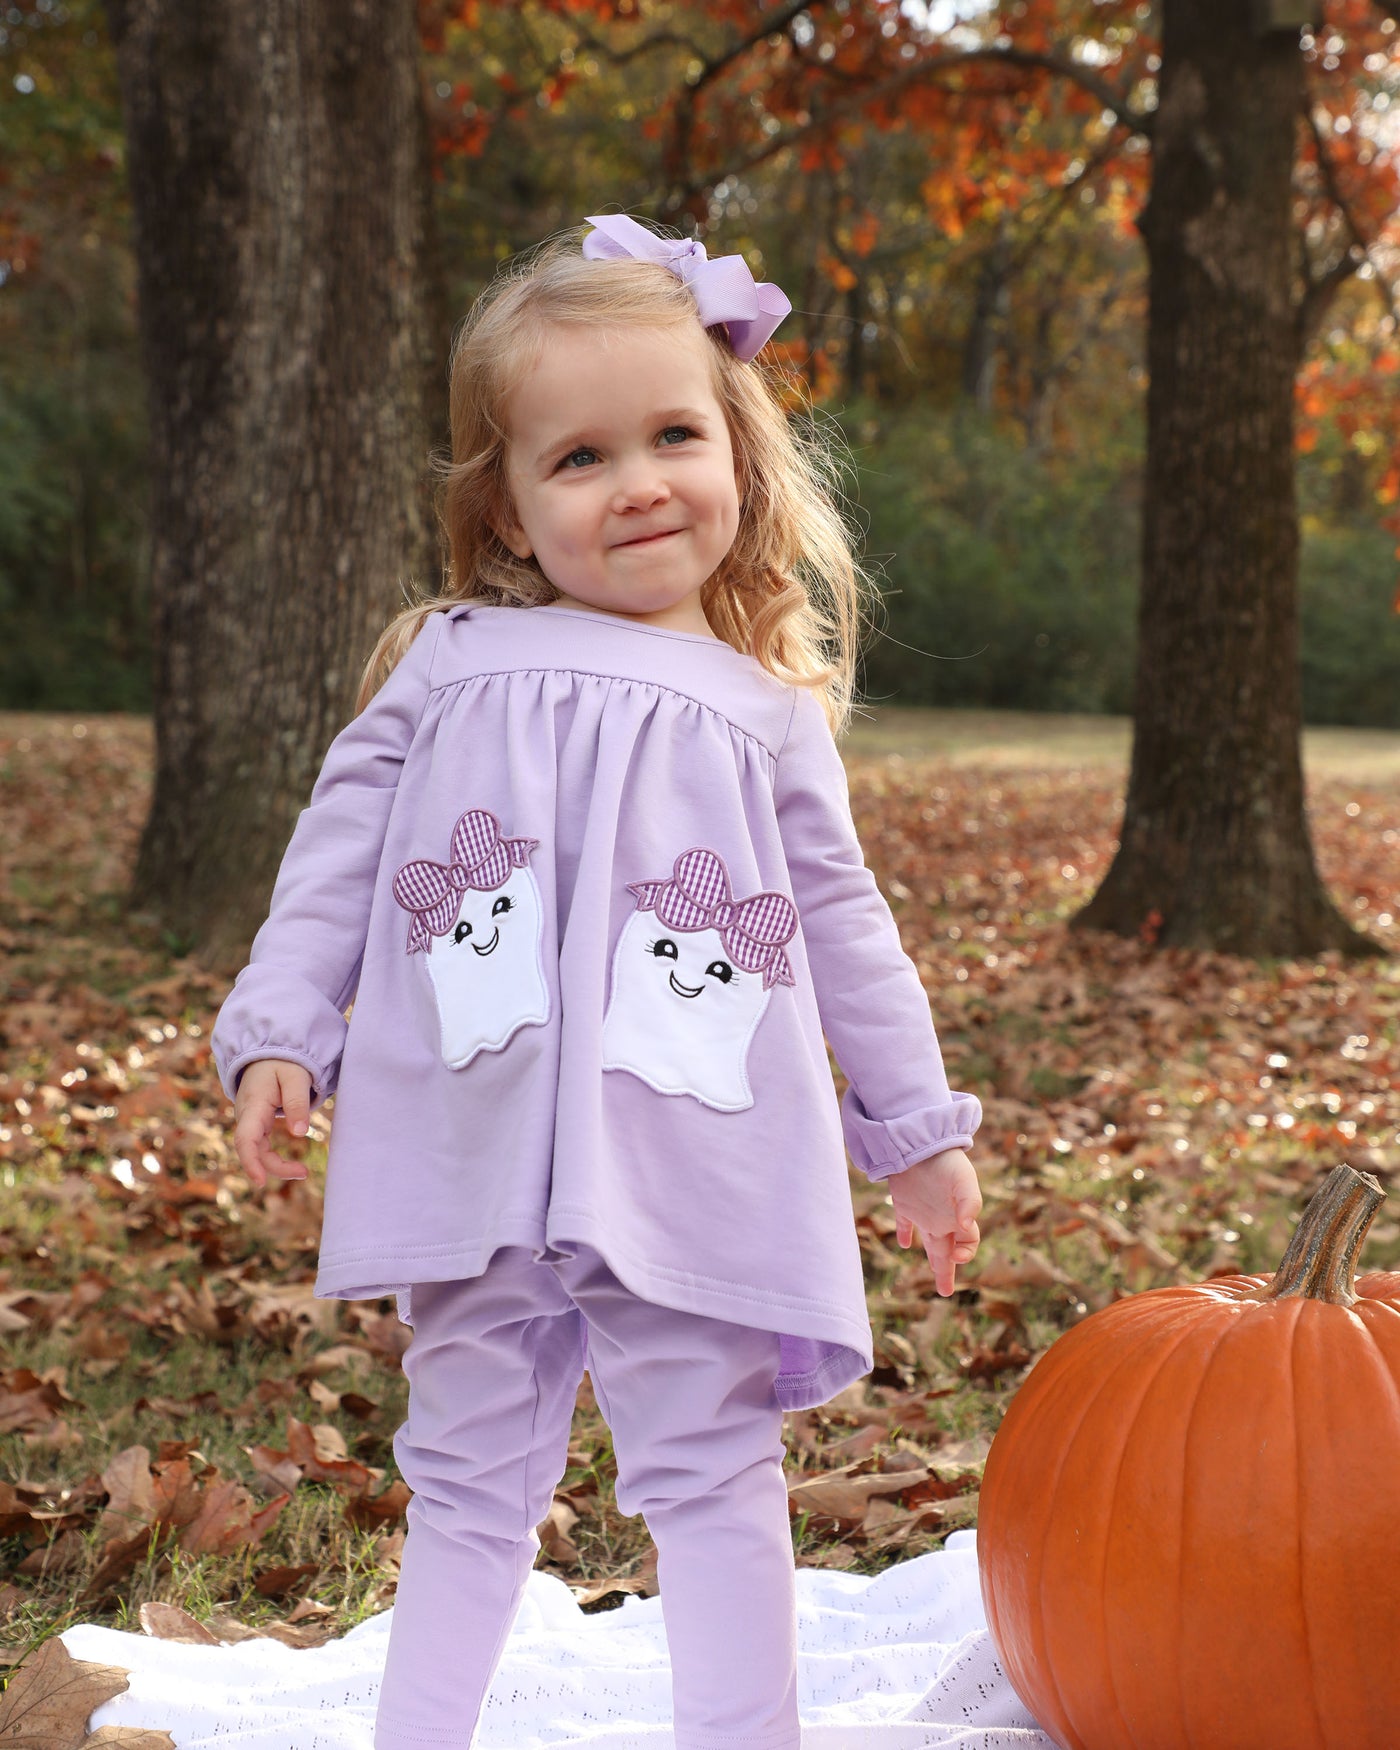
898 1107
304 965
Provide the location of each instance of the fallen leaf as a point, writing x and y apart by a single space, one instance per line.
128 1738
131 1493
167 1622
48 1700
554 1534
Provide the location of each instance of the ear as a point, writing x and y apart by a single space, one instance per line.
509 530
514 537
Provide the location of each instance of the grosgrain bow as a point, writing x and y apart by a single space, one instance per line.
725 290
698 896
481 858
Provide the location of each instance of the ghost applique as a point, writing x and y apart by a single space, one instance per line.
478 921
692 976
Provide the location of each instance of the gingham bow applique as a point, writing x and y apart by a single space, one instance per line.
698 896
481 858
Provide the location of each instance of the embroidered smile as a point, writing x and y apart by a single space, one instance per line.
490 947
683 990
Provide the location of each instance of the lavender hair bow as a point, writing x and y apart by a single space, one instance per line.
725 290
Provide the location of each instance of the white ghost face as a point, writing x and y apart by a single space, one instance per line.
486 971
682 1013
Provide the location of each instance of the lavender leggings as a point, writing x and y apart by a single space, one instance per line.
493 1369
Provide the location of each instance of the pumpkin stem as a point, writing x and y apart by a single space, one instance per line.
1320 1263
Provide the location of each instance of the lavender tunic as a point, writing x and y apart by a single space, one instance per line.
595 891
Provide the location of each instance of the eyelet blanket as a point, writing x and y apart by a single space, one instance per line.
898 1661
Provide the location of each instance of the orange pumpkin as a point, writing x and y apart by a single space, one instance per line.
1189 1527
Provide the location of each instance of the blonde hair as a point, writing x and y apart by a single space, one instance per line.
790 592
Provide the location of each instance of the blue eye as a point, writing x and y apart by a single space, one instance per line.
681 431
573 456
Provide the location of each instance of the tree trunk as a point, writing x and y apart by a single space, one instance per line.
276 163
1215 846
991 303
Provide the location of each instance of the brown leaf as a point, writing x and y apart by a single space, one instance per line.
167 1622
49 1698
228 1518
131 1493
178 1408
858 1444
304 1634
29 1401
642 1584
16 1508
176 1491
128 1738
278 1582
118 1558
846 1497
269 1461
554 1534
389 1506
64 1555
320 1451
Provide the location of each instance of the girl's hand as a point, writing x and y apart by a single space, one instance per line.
265 1085
941 1197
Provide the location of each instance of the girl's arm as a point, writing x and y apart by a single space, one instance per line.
289 1000
898 1108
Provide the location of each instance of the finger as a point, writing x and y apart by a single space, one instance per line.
252 1141
968 1204
903 1230
940 1255
275 1166
284 1169
296 1100
245 1142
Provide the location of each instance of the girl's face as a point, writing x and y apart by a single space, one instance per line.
622 472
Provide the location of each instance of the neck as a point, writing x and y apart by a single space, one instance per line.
682 617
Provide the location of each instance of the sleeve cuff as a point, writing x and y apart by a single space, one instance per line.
274 1012
883 1147
323 1079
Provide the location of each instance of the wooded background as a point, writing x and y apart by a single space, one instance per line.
969 283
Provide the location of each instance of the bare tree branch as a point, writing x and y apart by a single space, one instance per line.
1319 290
680 193
856 101
1061 64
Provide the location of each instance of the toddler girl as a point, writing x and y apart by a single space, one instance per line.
585 862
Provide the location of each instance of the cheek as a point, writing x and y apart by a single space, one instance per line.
729 517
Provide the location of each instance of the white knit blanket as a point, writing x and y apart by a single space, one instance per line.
900 1661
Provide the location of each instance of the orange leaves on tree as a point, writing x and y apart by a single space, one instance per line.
836 271
864 233
1351 389
820 152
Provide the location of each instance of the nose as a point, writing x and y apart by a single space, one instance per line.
639 485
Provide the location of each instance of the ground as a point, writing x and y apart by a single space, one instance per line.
182 1423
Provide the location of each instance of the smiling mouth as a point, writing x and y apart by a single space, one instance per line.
683 990
650 540
490 947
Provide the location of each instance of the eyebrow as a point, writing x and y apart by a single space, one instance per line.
583 438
